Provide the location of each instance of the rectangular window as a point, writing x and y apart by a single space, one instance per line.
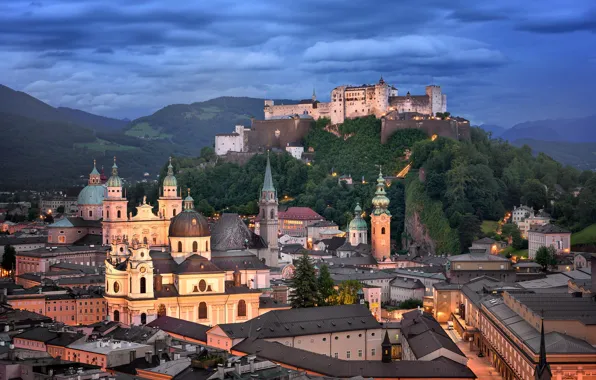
348 354
359 353
373 352
335 355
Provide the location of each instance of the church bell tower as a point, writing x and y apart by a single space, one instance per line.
381 222
268 205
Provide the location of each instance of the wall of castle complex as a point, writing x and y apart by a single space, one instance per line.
230 142
360 101
445 128
277 133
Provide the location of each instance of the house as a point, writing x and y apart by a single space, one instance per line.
477 263
295 150
488 244
402 288
549 235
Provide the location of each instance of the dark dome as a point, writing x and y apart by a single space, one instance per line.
189 223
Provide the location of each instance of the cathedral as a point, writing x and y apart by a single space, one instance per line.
172 263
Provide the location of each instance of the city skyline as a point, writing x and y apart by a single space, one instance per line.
130 60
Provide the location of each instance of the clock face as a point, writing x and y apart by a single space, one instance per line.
143 270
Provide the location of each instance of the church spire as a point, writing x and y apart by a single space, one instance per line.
314 95
114 180
268 182
189 203
380 201
542 371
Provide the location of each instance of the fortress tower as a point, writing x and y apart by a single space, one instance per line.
381 222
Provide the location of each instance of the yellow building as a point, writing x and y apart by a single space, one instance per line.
193 276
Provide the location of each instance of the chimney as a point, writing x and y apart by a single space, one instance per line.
158 282
11 353
6 328
148 355
238 368
176 356
251 362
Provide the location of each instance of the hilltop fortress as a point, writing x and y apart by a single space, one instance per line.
285 126
358 101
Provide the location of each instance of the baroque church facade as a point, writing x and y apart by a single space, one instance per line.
173 264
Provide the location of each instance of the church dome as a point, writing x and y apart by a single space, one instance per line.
357 223
170 179
189 223
92 195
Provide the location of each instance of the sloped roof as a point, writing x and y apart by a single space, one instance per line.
230 233
188 329
549 229
299 213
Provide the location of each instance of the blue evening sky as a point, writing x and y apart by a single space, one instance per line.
499 62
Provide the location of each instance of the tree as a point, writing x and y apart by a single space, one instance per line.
304 284
347 293
469 229
410 303
326 286
208 153
534 194
511 232
10 257
546 256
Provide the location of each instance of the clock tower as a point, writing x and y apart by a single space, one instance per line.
381 222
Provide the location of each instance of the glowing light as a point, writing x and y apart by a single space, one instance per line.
433 138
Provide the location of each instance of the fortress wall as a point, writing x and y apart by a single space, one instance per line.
445 128
286 110
262 136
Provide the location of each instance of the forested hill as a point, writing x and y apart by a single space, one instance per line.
466 182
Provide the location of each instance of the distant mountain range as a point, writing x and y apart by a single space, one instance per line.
51 146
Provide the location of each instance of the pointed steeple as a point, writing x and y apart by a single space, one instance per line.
94 176
314 95
94 171
542 371
268 182
386 346
380 201
170 180
114 180
189 203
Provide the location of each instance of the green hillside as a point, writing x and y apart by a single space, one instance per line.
585 236
195 125
578 155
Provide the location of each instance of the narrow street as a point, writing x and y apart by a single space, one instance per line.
480 366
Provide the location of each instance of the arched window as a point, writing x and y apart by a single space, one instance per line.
81 213
143 318
195 246
119 214
107 215
61 239
272 214
382 230
354 234
145 241
206 246
143 285
202 310
116 316
174 212
90 213
242 308
179 246
161 310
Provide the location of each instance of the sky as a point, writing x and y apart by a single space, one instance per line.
499 62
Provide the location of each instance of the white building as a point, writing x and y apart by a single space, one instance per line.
548 235
295 150
230 142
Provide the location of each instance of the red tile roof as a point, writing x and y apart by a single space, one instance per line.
299 213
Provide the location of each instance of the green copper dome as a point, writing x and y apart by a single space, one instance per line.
114 180
380 201
91 195
170 180
358 223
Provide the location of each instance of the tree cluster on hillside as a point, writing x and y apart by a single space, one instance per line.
480 179
310 290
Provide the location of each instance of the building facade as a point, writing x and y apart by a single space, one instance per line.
358 101
548 235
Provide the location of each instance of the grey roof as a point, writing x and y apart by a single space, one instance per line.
338 368
447 286
177 326
344 274
138 334
477 257
65 338
70 222
87 279
549 229
297 322
271 303
39 334
230 261
354 260
555 280
197 264
425 335
230 233
560 306
484 240
4 240
555 341
527 264
418 272
401 282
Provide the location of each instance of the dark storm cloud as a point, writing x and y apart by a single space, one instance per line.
130 58
585 21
